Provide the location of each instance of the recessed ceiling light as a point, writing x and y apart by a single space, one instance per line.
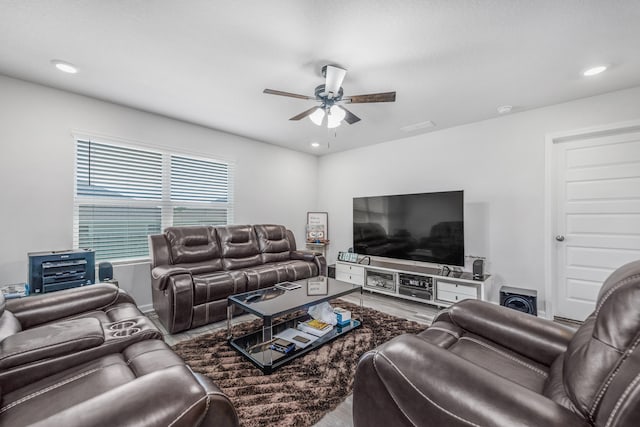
505 109
594 70
64 66
315 144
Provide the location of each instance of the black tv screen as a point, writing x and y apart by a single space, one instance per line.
424 227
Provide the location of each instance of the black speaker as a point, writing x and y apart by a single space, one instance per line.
105 271
478 269
525 300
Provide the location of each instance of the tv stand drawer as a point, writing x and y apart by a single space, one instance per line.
454 292
350 273
452 296
457 288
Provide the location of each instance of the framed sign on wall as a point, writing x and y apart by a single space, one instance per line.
317 227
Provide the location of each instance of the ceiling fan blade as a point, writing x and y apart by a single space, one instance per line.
289 94
350 117
304 114
335 77
374 97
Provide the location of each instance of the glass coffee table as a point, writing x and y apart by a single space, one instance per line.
274 302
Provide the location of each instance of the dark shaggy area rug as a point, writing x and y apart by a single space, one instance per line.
300 393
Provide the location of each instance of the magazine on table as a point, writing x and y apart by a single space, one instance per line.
288 286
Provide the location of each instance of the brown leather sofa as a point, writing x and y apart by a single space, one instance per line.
480 364
88 357
194 269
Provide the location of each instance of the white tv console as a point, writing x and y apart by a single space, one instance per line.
412 282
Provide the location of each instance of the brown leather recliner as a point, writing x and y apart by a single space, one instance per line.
480 364
88 357
194 269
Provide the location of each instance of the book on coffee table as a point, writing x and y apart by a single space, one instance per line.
296 336
315 327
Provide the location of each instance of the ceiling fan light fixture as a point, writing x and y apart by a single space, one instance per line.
337 113
317 116
335 116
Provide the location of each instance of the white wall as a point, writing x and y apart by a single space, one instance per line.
500 165
272 185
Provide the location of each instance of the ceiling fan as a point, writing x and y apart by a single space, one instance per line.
331 97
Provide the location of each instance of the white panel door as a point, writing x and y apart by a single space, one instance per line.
598 216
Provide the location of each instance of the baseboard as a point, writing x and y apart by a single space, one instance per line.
146 308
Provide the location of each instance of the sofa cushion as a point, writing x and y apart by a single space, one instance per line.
239 246
64 390
273 243
218 285
263 276
194 244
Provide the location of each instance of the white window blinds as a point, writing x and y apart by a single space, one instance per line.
123 194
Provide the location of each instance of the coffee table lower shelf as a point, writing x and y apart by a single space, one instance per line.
267 360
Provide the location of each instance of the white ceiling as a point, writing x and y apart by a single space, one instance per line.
207 62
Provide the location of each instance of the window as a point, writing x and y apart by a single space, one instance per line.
123 194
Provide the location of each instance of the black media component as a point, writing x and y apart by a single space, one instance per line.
426 227
416 286
57 270
105 271
525 300
331 271
478 269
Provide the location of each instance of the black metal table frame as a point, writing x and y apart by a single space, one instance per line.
268 326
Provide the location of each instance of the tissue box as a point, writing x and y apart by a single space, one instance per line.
342 316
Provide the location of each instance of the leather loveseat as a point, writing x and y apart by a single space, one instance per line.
480 364
88 357
194 269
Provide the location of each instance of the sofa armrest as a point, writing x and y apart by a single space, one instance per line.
49 341
168 397
314 257
160 275
38 309
221 410
536 338
409 381
304 255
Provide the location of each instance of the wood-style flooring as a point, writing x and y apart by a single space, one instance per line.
341 416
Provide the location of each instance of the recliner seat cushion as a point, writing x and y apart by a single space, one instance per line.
263 276
219 285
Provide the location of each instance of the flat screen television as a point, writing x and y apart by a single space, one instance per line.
426 227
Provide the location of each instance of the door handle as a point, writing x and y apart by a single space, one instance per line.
560 238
